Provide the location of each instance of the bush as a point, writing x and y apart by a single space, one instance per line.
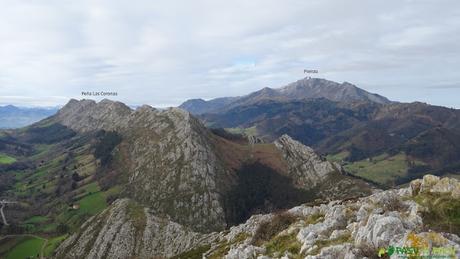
369 251
62 228
76 177
268 229
392 203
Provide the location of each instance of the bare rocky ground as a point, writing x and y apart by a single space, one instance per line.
355 228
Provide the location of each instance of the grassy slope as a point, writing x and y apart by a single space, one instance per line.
442 213
383 169
5 159
43 209
252 131
28 248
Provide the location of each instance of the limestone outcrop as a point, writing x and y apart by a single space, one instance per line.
357 228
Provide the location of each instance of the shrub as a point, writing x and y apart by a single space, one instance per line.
62 228
268 229
369 251
392 203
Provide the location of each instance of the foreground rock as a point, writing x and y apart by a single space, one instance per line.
356 228
127 229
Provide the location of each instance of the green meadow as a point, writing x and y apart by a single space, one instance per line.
6 160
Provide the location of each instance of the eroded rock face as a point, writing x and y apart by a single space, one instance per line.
166 157
339 229
304 165
87 115
434 184
173 173
127 230
349 229
168 161
174 169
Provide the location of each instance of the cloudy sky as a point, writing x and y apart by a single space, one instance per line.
164 52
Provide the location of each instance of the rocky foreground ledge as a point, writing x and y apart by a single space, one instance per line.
420 219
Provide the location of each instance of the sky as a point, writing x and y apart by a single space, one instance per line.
162 53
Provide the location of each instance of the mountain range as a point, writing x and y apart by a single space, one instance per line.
308 88
17 117
294 172
364 132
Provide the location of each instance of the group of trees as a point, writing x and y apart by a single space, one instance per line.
260 189
107 141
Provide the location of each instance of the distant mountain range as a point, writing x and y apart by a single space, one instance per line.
16 117
308 88
363 131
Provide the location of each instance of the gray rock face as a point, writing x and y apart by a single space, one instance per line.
169 162
340 229
127 229
87 115
174 168
166 156
434 184
304 165
353 229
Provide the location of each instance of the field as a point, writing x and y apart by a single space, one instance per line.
339 157
29 247
93 203
382 169
5 159
53 244
252 131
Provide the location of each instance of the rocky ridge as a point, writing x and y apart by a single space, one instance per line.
166 158
126 229
169 162
304 165
355 228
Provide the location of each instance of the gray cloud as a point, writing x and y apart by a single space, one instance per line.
163 52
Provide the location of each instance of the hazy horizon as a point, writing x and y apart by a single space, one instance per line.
134 105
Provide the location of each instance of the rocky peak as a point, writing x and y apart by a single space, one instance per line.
322 88
87 115
166 156
304 165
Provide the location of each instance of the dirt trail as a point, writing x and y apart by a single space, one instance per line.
3 203
3 214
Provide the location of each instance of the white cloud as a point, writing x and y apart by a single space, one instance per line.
163 52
